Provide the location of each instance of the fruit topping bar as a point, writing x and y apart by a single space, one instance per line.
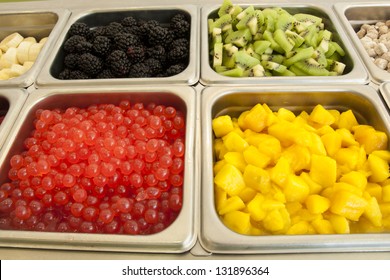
103 169
131 48
255 42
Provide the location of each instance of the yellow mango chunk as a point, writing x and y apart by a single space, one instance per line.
247 194
356 179
336 114
234 142
386 193
347 120
317 204
253 156
233 203
339 223
298 157
256 119
385 209
277 221
280 172
375 190
222 125
315 144
285 114
255 208
270 146
257 178
295 188
341 186
301 227
219 148
238 221
237 159
305 215
279 131
220 197
230 179
313 186
370 138
241 120
373 213
321 116
379 169
348 205
293 207
323 170
322 226
347 138
347 157
332 142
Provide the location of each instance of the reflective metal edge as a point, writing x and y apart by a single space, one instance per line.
28 78
384 89
189 76
15 99
179 237
377 75
215 237
358 73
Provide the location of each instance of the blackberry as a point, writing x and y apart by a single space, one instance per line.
154 66
65 74
180 26
139 70
159 36
135 53
157 52
97 31
105 74
179 51
112 29
118 63
129 21
101 45
79 28
74 43
124 40
175 69
71 60
78 75
90 64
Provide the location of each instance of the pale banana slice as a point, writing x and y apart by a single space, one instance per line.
12 40
27 65
30 39
9 58
43 40
5 74
34 51
23 51
17 70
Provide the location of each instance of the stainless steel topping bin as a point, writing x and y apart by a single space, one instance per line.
11 102
215 237
96 17
353 73
354 15
384 89
38 24
178 237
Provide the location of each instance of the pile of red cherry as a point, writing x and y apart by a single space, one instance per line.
103 169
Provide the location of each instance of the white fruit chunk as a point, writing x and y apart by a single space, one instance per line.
9 58
11 41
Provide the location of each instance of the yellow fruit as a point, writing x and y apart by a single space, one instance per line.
341 186
355 178
230 179
347 157
322 226
332 142
280 172
293 207
270 146
375 190
386 193
347 120
317 204
313 186
233 203
285 114
321 116
323 170
220 198
236 159
257 179
295 188
238 221
277 221
301 227
340 224
255 208
218 165
379 169
234 142
347 138
241 120
219 148
253 156
373 213
383 154
298 157
256 119
370 138
348 205
247 194
222 125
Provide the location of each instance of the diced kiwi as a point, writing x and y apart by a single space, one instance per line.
287 73
297 71
218 54
320 57
220 68
260 46
338 48
228 52
311 67
224 22
295 37
336 66
244 60
281 38
310 36
308 19
285 22
274 45
278 58
260 18
235 72
269 23
270 65
249 50
248 21
255 71
226 8
300 55
242 14
239 38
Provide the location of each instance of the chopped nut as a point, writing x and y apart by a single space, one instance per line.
381 63
371 53
380 49
372 33
361 33
383 29
386 56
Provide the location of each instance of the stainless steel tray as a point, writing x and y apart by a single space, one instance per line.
37 23
100 16
215 237
178 237
352 16
384 89
11 102
354 72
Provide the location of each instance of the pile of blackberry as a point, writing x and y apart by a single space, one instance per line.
131 48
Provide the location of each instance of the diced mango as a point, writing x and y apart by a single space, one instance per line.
332 142
301 227
347 157
321 116
253 156
314 187
247 194
270 146
220 148
279 131
298 157
295 188
379 169
277 221
317 204
385 209
285 114
348 205
355 178
220 198
238 221
257 179
370 138
347 120
383 154
336 114
375 190
222 125
347 138
237 159
339 223
323 226
233 203
342 186
373 213
256 119
280 172
255 208
218 165
230 179
241 120
386 193
305 215
315 145
234 142
293 207
323 170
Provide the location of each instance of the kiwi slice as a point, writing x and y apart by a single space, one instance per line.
260 46
310 36
295 37
218 54
244 60
248 21
274 45
307 19
270 65
220 68
324 37
240 38
235 72
311 67
278 58
283 41
255 71
226 8
336 66
296 71
285 22
300 55
269 23
338 48
320 57
249 50
242 14
228 52
224 22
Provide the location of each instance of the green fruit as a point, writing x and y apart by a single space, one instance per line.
244 60
283 41
260 46
218 54
239 38
311 67
300 55
248 21
236 72
226 8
